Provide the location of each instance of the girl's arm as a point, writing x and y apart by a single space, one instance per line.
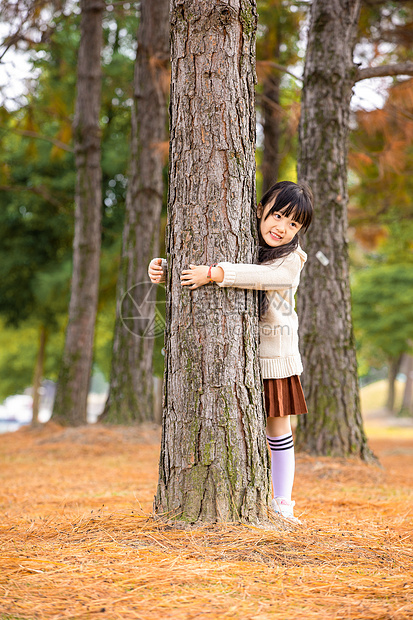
197 275
282 274
157 270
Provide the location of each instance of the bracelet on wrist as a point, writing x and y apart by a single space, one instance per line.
209 276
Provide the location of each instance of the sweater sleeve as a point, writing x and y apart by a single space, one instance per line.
281 274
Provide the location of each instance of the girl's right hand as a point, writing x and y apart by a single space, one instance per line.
155 271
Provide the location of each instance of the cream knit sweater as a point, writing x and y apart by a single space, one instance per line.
279 353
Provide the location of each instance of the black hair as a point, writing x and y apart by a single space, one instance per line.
291 199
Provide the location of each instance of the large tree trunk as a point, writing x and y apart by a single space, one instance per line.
214 460
70 405
131 384
333 425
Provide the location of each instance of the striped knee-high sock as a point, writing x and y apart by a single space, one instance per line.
282 465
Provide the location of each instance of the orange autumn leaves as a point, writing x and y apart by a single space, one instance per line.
388 132
381 160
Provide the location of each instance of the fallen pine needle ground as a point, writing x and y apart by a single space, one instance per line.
78 538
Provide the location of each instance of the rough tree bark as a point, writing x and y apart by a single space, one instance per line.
333 425
131 384
70 405
214 461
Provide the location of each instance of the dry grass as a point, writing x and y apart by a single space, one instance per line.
78 539
374 395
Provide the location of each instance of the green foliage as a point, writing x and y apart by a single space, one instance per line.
278 41
18 351
37 179
383 311
387 21
278 32
381 187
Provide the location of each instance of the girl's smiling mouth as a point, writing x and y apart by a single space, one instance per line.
275 236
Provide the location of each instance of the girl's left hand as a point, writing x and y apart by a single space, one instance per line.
195 276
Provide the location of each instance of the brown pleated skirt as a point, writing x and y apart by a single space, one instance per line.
284 397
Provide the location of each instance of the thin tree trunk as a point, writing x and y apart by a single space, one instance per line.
70 405
38 373
131 385
333 425
407 404
394 367
214 461
272 113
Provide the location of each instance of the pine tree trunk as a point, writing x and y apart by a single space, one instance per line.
333 425
131 384
214 462
407 403
271 116
394 367
74 377
271 155
38 374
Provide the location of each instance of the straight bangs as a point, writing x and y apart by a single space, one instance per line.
299 212
291 200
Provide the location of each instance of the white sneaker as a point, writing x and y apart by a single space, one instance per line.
285 508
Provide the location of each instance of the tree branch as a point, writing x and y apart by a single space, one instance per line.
261 98
13 40
40 190
121 2
274 65
38 136
399 68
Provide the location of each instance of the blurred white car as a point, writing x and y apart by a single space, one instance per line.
17 408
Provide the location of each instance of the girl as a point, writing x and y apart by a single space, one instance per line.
284 210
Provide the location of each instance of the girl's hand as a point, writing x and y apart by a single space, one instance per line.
155 271
195 276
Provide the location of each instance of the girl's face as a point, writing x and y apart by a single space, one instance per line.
277 229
